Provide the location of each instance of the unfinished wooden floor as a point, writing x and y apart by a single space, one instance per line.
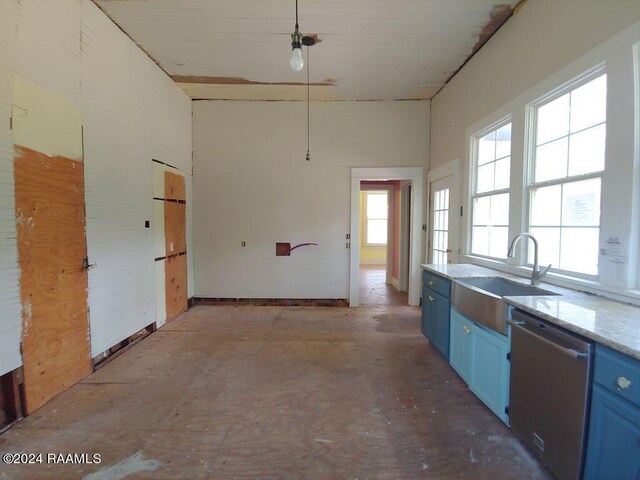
274 393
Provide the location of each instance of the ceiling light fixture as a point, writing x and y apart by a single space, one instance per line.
296 62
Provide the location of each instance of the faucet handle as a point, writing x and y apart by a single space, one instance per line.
545 270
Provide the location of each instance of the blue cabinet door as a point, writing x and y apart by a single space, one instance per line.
442 311
613 449
461 345
428 315
490 370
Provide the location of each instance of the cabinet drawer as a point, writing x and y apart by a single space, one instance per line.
618 373
436 283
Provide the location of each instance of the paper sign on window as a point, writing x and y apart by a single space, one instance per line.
580 210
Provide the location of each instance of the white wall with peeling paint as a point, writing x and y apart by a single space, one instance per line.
252 184
131 112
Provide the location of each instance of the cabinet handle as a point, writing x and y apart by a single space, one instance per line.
623 382
431 299
432 283
466 329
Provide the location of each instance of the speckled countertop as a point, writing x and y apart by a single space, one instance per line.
608 322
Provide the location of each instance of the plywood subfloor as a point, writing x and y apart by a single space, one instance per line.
275 393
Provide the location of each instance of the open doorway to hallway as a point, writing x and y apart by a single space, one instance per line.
384 232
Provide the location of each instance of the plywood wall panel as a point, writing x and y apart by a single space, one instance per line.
175 222
174 187
176 285
51 246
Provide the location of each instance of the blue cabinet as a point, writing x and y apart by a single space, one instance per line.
613 448
461 345
436 306
490 370
479 355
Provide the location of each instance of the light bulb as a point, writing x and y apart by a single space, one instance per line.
296 62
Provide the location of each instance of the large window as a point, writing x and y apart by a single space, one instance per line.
375 204
568 154
490 194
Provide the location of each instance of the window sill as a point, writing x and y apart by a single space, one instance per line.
589 286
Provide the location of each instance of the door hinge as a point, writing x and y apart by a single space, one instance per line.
461 210
20 348
506 410
509 356
10 123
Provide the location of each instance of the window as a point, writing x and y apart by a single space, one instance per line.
440 227
568 154
490 194
375 204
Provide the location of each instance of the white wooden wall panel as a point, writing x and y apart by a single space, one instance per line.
132 113
10 316
252 184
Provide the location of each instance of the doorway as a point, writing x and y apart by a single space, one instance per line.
380 245
402 176
444 215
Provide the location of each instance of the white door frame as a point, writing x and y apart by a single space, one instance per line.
451 168
416 175
403 281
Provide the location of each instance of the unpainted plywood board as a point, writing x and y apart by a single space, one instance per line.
176 285
175 224
50 223
174 187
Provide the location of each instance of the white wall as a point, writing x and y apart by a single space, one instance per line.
131 112
547 44
540 40
252 183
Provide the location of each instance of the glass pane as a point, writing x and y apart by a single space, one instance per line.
445 240
500 209
480 240
589 104
485 178
377 231
503 170
487 148
548 246
445 220
551 160
553 120
546 206
581 203
498 242
503 141
586 151
580 250
377 205
481 211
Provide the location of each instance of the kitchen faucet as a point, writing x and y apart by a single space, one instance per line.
536 273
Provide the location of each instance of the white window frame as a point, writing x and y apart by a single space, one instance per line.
365 231
636 153
473 181
530 159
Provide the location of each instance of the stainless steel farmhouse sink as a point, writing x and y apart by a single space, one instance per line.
480 299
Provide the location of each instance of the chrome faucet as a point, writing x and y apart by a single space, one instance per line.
536 273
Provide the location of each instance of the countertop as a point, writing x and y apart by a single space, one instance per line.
608 322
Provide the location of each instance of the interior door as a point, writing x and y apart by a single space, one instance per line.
50 228
440 220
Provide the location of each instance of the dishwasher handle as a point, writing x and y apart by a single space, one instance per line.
566 351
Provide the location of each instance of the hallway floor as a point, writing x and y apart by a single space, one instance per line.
374 289
274 393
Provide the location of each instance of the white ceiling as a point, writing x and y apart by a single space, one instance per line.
368 49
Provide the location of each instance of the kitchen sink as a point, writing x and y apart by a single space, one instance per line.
480 299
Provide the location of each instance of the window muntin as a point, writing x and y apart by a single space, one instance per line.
490 195
376 212
564 192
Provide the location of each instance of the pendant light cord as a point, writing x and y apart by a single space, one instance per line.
296 14
308 107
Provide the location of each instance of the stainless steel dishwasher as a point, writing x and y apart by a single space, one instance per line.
550 392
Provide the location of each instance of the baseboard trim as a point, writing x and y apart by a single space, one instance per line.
119 348
273 302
